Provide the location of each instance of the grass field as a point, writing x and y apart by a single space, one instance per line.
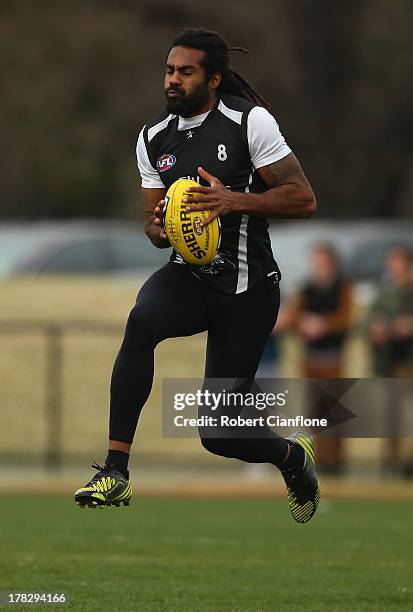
209 555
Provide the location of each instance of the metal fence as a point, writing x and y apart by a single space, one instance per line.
53 334
54 393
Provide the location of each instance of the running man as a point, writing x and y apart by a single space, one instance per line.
216 129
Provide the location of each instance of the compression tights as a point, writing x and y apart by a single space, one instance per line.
172 303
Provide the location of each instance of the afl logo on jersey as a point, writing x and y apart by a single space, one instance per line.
165 162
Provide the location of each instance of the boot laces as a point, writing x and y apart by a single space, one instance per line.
103 470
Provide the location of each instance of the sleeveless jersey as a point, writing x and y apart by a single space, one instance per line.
231 142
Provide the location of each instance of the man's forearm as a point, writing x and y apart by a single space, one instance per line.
283 202
154 233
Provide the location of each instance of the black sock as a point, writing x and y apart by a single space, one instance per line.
295 458
118 460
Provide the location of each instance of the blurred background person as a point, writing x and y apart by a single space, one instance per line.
390 331
321 313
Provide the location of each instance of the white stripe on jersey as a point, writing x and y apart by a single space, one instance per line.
230 112
242 282
155 129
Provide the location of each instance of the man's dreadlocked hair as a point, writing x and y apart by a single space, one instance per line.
217 60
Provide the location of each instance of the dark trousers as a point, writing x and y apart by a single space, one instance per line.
172 303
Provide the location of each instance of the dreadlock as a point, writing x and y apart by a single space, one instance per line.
217 59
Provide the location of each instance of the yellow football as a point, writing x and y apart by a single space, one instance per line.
197 244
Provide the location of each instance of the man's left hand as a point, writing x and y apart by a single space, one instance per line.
215 198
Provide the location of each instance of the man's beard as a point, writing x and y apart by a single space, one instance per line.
187 104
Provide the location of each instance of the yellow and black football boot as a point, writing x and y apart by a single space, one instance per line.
108 487
302 483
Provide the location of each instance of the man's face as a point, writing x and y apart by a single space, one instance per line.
323 266
398 266
187 91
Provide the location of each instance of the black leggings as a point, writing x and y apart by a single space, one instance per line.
172 303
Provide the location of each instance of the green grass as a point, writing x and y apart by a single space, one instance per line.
209 555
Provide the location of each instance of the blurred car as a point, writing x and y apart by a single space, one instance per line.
77 247
122 248
361 244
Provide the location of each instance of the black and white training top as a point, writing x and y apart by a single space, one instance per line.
231 142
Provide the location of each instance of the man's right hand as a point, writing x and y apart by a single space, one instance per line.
154 227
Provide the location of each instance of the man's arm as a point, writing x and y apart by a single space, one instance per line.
152 202
289 195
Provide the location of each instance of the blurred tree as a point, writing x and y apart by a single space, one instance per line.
79 79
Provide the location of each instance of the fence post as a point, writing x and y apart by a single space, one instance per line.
54 390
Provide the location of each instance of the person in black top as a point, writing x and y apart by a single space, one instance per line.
234 140
217 130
